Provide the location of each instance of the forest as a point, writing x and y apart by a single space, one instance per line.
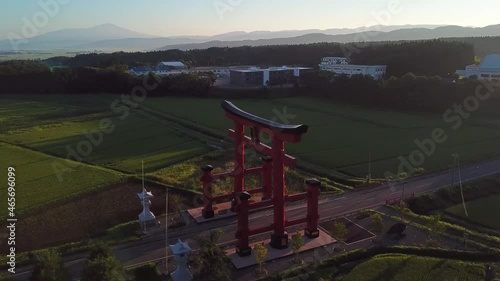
429 58
420 74
482 45
31 77
407 93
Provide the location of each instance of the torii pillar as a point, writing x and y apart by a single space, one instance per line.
279 237
273 169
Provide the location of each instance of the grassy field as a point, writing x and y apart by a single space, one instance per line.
34 110
413 268
60 126
481 211
188 173
33 55
38 131
38 184
341 137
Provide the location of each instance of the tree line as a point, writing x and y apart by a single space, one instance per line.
208 263
482 45
407 93
32 77
429 57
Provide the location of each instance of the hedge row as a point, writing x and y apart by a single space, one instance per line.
359 255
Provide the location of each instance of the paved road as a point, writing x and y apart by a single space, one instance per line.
328 208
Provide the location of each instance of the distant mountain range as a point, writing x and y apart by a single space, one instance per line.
71 38
109 37
256 35
369 36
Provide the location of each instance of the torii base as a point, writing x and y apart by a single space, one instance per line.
311 233
243 252
279 241
208 213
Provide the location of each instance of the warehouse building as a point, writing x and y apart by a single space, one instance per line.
265 76
341 66
489 68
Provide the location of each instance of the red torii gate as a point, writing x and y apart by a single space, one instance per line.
273 172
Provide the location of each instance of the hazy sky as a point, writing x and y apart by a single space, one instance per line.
209 17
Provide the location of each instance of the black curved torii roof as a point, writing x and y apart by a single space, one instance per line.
274 126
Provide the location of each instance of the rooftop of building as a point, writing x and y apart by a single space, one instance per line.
335 58
141 68
356 65
345 62
274 68
173 63
491 61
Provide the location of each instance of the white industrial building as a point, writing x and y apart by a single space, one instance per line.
140 70
173 64
163 68
219 71
340 65
254 76
489 68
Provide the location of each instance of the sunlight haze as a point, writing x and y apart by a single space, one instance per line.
211 17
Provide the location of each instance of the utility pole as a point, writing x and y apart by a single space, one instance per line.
166 231
143 191
460 181
369 167
454 156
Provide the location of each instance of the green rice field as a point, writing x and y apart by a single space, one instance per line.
341 137
414 268
38 183
37 131
482 211
65 130
61 149
33 55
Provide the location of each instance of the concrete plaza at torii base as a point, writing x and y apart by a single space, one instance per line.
309 244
